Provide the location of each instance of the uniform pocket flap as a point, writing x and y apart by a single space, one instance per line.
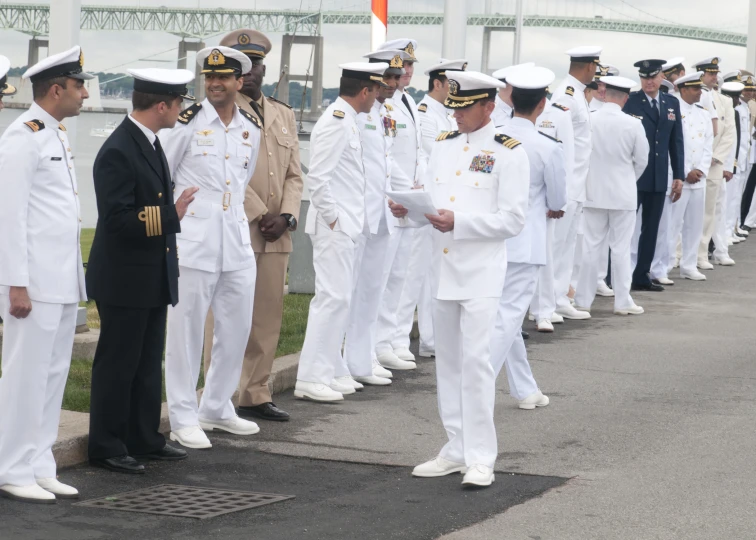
284 141
198 210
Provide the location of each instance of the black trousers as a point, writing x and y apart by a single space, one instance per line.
124 416
653 205
745 203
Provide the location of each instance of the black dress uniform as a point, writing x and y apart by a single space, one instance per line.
133 276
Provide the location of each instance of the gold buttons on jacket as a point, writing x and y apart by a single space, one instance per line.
459 173
476 183
271 174
272 194
452 198
228 182
270 153
160 195
227 156
466 148
446 250
79 220
204 153
192 213
167 250
76 192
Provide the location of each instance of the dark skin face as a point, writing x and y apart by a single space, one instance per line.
691 94
386 92
254 79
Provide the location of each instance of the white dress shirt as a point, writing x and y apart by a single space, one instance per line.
571 94
147 131
406 172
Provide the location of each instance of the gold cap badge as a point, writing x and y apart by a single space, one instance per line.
453 87
216 58
396 62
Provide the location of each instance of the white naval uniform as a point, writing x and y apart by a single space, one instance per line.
526 253
555 121
595 105
405 175
619 156
337 193
434 119
719 235
571 94
688 212
502 113
737 184
39 249
468 270
216 262
377 133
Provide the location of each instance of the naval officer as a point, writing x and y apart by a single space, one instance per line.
5 88
479 181
214 147
41 276
526 252
504 108
133 275
619 156
335 221
733 82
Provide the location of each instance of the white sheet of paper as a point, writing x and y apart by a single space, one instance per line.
417 202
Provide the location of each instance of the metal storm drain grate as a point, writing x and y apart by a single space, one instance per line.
184 501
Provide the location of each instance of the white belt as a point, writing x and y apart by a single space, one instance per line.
223 198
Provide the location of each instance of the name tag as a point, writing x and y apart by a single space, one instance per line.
56 159
205 142
401 126
368 126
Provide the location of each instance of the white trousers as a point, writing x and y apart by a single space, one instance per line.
618 226
751 216
603 263
577 259
714 188
465 377
416 293
565 240
734 196
661 252
543 303
231 296
719 237
366 300
519 287
334 257
36 358
687 216
397 261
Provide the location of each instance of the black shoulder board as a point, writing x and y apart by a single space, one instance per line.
339 114
189 114
560 107
570 91
249 116
507 141
636 116
423 107
448 135
35 125
279 101
550 137
700 106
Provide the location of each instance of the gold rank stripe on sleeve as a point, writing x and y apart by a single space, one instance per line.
35 125
560 107
570 91
447 135
423 107
152 220
507 141
339 114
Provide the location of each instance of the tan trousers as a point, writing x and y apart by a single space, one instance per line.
713 184
266 328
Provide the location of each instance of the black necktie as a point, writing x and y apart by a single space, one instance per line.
406 104
163 162
257 110
654 106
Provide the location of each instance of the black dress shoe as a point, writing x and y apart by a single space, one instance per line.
525 335
120 464
652 287
166 453
264 411
746 228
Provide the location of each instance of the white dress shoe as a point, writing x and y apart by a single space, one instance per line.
695 275
677 263
191 437
731 242
342 388
556 318
380 371
404 354
391 361
724 261
665 281
235 425
544 325
603 289
373 380
570 312
32 493
534 400
705 265
438 466
427 353
741 231
60 490
632 310
478 475
316 392
347 380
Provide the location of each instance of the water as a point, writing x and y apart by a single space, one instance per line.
86 148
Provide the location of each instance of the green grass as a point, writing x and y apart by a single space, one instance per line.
87 235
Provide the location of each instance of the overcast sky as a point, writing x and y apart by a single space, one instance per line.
116 51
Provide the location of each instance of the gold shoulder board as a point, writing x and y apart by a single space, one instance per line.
189 114
560 107
35 125
339 114
423 107
279 101
448 135
388 107
570 91
507 141
61 127
249 116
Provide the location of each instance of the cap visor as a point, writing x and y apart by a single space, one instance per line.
81 76
9 90
188 97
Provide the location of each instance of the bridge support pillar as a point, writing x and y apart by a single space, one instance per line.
187 47
454 36
315 77
35 44
751 44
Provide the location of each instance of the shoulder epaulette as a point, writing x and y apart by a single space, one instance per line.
389 108
339 114
61 127
279 101
700 106
35 125
560 107
423 107
550 137
448 135
189 114
636 116
251 117
570 91
507 141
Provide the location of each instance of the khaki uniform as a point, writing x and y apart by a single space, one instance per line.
276 188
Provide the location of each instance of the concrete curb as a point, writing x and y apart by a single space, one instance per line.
84 346
73 434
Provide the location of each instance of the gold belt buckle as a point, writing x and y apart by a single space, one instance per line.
226 200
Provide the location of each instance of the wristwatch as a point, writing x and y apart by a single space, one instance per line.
291 221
